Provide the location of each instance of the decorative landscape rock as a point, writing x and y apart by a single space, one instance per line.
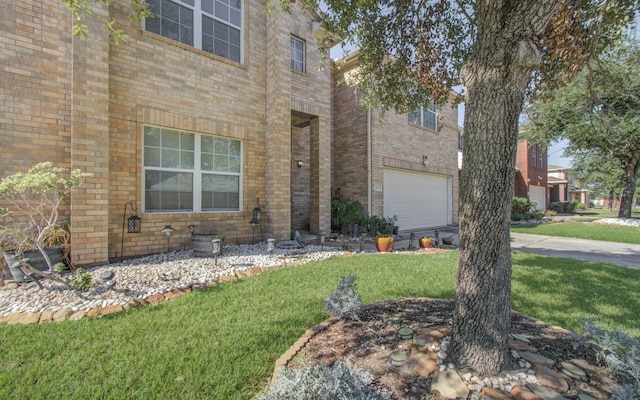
449 385
146 280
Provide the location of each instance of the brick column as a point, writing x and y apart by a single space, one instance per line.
320 203
90 143
277 207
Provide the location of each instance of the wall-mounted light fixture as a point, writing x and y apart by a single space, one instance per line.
299 163
425 160
192 229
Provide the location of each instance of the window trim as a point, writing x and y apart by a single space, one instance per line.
196 172
197 28
292 40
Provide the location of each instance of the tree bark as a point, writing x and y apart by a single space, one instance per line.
496 77
626 199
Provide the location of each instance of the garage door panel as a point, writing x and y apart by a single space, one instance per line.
420 200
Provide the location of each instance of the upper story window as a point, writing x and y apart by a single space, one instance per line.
190 172
210 25
425 116
534 150
297 54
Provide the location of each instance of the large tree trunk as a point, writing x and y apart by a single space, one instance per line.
496 77
626 199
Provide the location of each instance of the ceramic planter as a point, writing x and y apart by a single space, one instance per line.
384 243
425 242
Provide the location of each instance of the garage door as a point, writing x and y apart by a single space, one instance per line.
539 195
419 200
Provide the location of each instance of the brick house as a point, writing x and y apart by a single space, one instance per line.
531 174
211 106
401 164
564 188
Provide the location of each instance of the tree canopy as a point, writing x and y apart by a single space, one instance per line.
599 112
412 51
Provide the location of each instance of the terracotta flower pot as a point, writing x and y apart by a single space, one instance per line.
384 243
426 242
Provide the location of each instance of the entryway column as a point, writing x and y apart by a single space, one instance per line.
320 202
277 206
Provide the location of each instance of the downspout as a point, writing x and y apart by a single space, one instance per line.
369 161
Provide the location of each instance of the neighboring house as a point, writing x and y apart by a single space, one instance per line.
399 164
531 174
211 106
564 188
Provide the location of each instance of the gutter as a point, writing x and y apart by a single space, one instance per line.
369 195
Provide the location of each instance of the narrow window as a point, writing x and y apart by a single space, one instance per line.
425 116
297 54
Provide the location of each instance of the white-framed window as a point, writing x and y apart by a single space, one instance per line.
214 26
297 54
190 172
425 116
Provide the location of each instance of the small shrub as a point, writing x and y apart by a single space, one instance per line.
376 225
82 280
345 213
345 301
342 381
619 352
524 209
563 207
580 206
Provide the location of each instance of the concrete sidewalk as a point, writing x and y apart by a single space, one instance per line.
622 254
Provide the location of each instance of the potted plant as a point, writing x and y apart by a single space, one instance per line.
33 222
383 228
425 242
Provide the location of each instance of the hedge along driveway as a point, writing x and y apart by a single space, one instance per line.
222 343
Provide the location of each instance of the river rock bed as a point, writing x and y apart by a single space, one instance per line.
150 275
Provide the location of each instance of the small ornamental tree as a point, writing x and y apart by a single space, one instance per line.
35 198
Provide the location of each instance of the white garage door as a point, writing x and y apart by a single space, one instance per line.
539 195
419 200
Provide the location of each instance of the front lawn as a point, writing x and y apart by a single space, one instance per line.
605 213
222 343
584 230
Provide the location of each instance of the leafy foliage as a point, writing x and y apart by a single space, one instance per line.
35 198
345 301
82 280
341 381
82 9
619 352
377 225
345 213
524 209
599 113
563 207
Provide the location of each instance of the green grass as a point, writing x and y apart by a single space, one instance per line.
605 213
584 230
222 343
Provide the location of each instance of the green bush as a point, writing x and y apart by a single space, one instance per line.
82 280
563 207
345 213
376 225
341 381
524 209
580 206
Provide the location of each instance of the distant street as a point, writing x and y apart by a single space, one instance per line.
622 254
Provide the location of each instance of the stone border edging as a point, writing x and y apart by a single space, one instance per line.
311 332
68 314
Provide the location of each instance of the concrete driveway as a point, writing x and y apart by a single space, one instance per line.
623 254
